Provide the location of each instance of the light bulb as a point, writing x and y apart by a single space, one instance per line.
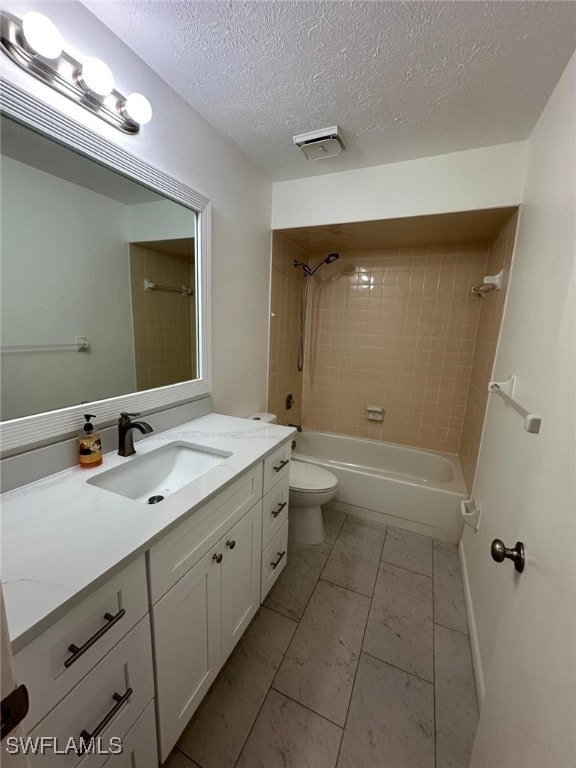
96 76
137 108
41 35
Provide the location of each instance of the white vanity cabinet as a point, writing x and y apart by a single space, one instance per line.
90 674
204 580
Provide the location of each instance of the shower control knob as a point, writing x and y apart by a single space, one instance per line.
500 553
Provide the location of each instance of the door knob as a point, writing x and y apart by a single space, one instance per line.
500 552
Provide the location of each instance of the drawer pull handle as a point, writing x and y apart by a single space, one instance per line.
120 700
276 563
218 558
276 512
231 544
281 465
77 652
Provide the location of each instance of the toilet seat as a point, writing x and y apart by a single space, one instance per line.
310 478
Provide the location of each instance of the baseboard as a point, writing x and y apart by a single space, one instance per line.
474 646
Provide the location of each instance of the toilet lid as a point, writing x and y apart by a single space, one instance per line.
309 477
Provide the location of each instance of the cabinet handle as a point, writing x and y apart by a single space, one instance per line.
77 652
231 544
277 562
218 558
276 512
281 465
120 700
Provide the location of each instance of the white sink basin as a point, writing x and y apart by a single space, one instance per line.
153 476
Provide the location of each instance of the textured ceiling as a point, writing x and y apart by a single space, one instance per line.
402 79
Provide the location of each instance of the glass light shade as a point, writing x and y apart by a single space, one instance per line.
96 76
41 35
137 108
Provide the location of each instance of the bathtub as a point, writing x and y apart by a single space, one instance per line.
406 487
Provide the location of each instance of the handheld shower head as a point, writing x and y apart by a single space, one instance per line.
309 271
326 260
305 267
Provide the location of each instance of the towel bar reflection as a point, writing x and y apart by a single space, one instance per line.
80 345
150 285
505 389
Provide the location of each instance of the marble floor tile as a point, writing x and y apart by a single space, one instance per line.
456 703
354 560
449 608
287 735
218 730
319 667
391 720
447 545
400 629
296 583
408 550
178 760
333 521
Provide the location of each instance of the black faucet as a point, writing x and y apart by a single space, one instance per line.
125 435
298 426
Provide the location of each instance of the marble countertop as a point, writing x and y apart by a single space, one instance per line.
61 537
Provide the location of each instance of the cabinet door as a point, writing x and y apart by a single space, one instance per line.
241 548
187 632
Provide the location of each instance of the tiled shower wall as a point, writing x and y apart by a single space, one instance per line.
164 323
397 328
394 328
491 309
283 375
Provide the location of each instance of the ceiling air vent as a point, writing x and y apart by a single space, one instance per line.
317 145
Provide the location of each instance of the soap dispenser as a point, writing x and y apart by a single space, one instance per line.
89 445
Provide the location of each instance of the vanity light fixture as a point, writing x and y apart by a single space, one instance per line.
41 35
96 77
35 45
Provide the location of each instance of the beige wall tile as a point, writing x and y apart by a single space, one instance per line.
490 319
397 328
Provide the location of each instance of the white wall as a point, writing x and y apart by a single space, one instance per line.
181 143
512 468
63 276
162 220
461 181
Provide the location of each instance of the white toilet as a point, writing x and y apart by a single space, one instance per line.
310 487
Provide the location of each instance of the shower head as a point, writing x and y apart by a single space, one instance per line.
309 271
305 267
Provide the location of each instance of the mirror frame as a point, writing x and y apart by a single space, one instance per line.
19 435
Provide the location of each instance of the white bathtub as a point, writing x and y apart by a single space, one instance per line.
406 487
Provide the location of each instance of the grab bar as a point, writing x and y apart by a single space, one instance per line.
80 345
150 285
505 390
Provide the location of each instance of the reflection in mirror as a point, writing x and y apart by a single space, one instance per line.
98 281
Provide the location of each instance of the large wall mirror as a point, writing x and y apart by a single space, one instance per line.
104 272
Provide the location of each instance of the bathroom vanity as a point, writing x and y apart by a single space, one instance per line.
121 613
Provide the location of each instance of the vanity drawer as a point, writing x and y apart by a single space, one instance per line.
127 666
139 747
277 465
179 550
273 561
48 667
275 512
